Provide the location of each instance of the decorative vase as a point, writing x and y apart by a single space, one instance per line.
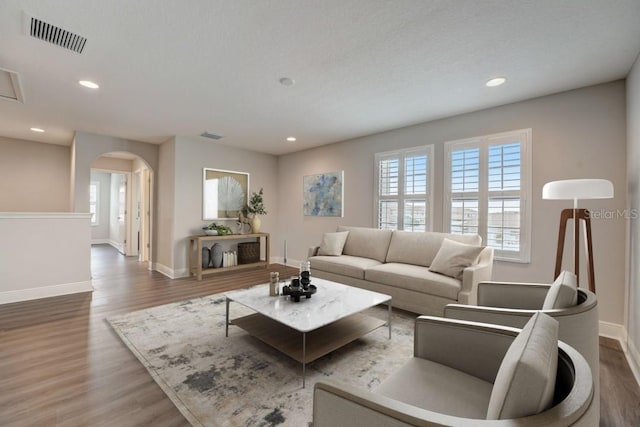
206 257
255 224
216 255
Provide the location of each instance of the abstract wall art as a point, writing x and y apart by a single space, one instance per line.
322 194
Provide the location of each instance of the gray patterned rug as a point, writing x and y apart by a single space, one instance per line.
239 381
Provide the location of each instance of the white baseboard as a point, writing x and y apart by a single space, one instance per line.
100 242
280 260
45 292
161 268
170 272
613 330
629 348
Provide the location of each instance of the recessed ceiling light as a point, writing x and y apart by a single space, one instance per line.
291 139
89 84
495 82
286 81
37 130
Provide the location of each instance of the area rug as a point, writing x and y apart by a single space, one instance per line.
238 380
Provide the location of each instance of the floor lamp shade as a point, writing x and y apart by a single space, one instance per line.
577 189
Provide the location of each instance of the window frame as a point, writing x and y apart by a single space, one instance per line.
401 198
483 143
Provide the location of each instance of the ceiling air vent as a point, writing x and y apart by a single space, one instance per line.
211 135
56 35
10 87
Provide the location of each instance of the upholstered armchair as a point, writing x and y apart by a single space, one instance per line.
470 374
512 304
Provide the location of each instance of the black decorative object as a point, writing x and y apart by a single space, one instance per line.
206 257
295 292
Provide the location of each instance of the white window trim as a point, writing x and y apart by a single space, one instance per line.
525 137
97 221
426 149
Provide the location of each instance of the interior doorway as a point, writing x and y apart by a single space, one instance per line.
121 204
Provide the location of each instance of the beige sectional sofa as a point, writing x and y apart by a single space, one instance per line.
400 264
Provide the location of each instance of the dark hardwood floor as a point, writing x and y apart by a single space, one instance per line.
62 365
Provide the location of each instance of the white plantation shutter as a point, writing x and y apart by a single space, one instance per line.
487 188
403 189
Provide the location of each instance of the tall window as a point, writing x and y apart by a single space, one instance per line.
403 193
94 200
487 191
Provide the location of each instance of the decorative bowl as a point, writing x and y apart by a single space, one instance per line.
211 232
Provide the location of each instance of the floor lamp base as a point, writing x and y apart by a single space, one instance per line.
578 216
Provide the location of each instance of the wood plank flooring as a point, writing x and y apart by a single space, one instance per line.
62 365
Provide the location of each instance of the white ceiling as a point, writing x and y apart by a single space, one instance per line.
360 66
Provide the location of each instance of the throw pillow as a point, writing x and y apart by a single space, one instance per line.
453 257
563 293
333 243
526 378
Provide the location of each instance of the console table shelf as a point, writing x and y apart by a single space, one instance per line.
195 253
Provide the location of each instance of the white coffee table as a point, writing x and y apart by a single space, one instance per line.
313 327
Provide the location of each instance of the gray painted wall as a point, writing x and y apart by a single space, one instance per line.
633 175
34 177
576 134
185 159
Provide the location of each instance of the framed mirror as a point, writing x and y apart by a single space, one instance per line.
224 193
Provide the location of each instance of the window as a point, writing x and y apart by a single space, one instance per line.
94 200
487 191
403 192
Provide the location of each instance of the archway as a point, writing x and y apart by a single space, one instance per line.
121 203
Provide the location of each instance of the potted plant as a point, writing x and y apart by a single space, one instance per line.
255 208
214 229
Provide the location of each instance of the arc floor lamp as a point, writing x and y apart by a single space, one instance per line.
577 189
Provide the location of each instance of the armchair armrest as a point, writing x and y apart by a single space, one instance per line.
312 251
515 318
337 404
471 347
525 296
475 274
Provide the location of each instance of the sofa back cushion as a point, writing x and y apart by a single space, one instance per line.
366 242
526 379
417 248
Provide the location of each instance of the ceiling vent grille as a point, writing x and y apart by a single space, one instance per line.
211 135
56 35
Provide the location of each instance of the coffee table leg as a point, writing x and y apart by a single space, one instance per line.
389 320
226 323
304 358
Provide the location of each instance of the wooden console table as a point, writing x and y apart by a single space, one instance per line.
195 253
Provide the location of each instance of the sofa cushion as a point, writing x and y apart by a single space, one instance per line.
345 265
333 243
439 388
526 379
367 242
453 257
421 248
563 293
415 278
